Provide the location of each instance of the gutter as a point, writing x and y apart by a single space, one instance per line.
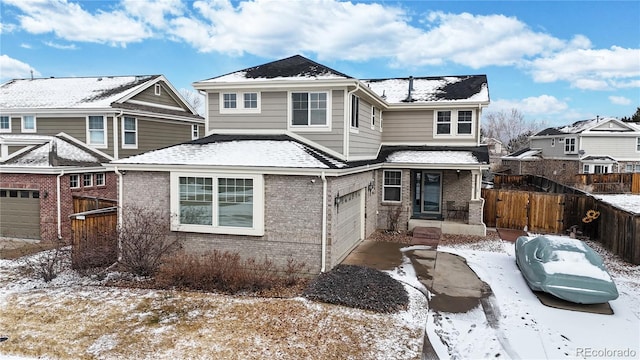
120 197
324 223
58 203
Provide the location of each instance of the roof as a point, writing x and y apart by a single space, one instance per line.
442 155
588 125
524 154
296 67
69 92
598 158
433 88
54 151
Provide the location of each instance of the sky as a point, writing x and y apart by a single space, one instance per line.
554 61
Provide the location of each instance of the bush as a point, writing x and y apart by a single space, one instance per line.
359 287
226 272
48 263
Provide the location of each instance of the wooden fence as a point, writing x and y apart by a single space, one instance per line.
609 183
616 229
87 203
95 240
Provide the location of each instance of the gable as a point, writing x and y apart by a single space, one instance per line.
611 125
166 97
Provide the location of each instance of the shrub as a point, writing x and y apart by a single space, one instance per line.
49 262
226 272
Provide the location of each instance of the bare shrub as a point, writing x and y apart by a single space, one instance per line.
393 218
145 238
226 272
49 262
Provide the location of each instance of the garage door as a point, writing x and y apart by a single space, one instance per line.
20 213
350 222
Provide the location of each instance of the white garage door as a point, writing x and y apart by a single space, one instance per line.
350 222
20 213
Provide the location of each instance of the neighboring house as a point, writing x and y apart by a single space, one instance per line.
302 161
496 152
111 116
601 145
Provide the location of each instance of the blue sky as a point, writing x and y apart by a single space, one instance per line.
555 61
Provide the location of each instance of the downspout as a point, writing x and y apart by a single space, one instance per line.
347 123
324 223
120 197
59 204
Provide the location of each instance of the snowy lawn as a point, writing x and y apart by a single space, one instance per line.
76 318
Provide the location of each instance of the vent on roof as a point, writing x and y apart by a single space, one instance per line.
99 79
409 97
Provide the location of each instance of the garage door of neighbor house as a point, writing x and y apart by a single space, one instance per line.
350 222
20 213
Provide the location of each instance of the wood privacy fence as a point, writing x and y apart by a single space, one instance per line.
609 183
541 212
95 240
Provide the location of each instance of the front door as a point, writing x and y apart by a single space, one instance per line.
427 187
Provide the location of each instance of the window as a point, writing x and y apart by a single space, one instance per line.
238 103
355 109
443 122
5 123
129 132
100 180
74 181
157 89
600 169
309 109
87 180
569 145
221 203
97 131
628 168
638 144
28 123
373 117
392 185
465 122
195 132
553 142
585 168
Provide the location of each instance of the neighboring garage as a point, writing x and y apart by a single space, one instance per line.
350 222
20 213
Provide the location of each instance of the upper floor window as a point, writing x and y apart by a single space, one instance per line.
553 142
638 144
569 145
28 123
157 89
96 131
195 131
5 123
373 117
355 110
129 132
238 102
309 109
443 125
464 122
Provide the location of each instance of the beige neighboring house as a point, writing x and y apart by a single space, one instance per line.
303 162
55 134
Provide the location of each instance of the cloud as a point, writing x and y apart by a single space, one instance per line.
61 46
543 104
619 100
11 68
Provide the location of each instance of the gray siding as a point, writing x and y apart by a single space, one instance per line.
154 135
334 140
75 127
367 141
556 151
407 126
148 95
618 147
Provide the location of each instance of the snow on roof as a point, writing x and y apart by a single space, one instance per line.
627 202
261 153
526 154
56 151
426 89
584 125
241 76
432 157
72 92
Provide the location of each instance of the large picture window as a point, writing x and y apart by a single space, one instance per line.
309 109
392 185
220 203
97 131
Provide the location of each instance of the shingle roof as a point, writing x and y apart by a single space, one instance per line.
432 88
438 154
69 92
581 126
56 151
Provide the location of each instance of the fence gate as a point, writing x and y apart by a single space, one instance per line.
512 209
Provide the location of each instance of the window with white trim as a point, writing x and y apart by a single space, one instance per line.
220 203
239 102
28 123
443 122
5 123
74 181
373 117
391 185
87 180
465 122
355 110
129 133
195 132
585 168
309 109
100 179
553 142
157 89
96 130
638 144
569 145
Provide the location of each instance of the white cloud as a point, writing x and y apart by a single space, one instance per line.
619 100
61 46
153 12
25 46
535 105
11 68
6 28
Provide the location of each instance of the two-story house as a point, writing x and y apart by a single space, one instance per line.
302 161
55 134
600 145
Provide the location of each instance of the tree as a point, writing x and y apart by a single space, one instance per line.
195 99
634 118
510 127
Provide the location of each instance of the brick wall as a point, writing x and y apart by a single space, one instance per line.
561 171
47 185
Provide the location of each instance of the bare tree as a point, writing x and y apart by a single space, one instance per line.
510 127
194 98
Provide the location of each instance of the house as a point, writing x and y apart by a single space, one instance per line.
600 145
302 161
55 134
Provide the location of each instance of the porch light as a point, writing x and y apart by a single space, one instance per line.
337 199
371 186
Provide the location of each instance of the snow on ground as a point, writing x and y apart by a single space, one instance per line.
628 202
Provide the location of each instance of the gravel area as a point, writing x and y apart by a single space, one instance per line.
359 287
